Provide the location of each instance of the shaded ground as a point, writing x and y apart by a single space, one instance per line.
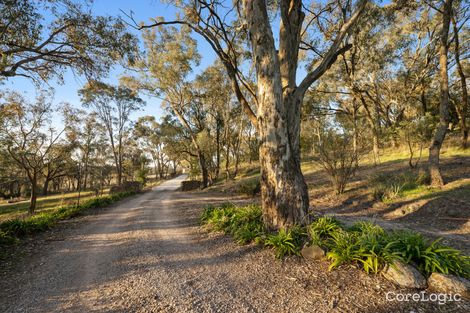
148 254
444 212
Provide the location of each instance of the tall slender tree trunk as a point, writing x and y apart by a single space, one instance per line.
355 134
227 155
424 103
217 155
120 160
236 148
203 168
34 194
441 130
463 107
375 146
45 187
85 170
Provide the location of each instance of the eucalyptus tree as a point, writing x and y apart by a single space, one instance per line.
355 87
56 164
84 132
39 39
224 121
149 137
320 29
113 106
164 66
444 9
460 17
27 133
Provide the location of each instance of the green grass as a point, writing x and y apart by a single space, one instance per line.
393 155
13 229
44 204
390 186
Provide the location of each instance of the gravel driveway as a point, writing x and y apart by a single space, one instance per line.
148 254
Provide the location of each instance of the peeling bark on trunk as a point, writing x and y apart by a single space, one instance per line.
440 133
463 107
283 189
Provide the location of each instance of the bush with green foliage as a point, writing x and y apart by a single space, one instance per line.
141 175
322 228
389 186
245 224
250 187
337 157
11 230
371 247
287 242
365 244
429 257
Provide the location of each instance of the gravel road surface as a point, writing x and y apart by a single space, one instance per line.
148 254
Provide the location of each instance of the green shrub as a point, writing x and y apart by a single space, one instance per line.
409 245
300 236
371 247
367 246
206 214
286 242
367 228
389 186
375 248
250 187
446 260
218 219
343 247
429 257
245 224
364 244
6 239
282 242
322 228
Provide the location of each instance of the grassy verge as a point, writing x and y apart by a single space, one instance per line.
366 245
12 230
48 203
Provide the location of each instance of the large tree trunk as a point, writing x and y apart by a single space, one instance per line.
463 107
373 123
283 189
217 155
439 136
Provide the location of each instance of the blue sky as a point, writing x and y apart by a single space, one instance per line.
143 10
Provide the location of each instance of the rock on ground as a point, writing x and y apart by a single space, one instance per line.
449 284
